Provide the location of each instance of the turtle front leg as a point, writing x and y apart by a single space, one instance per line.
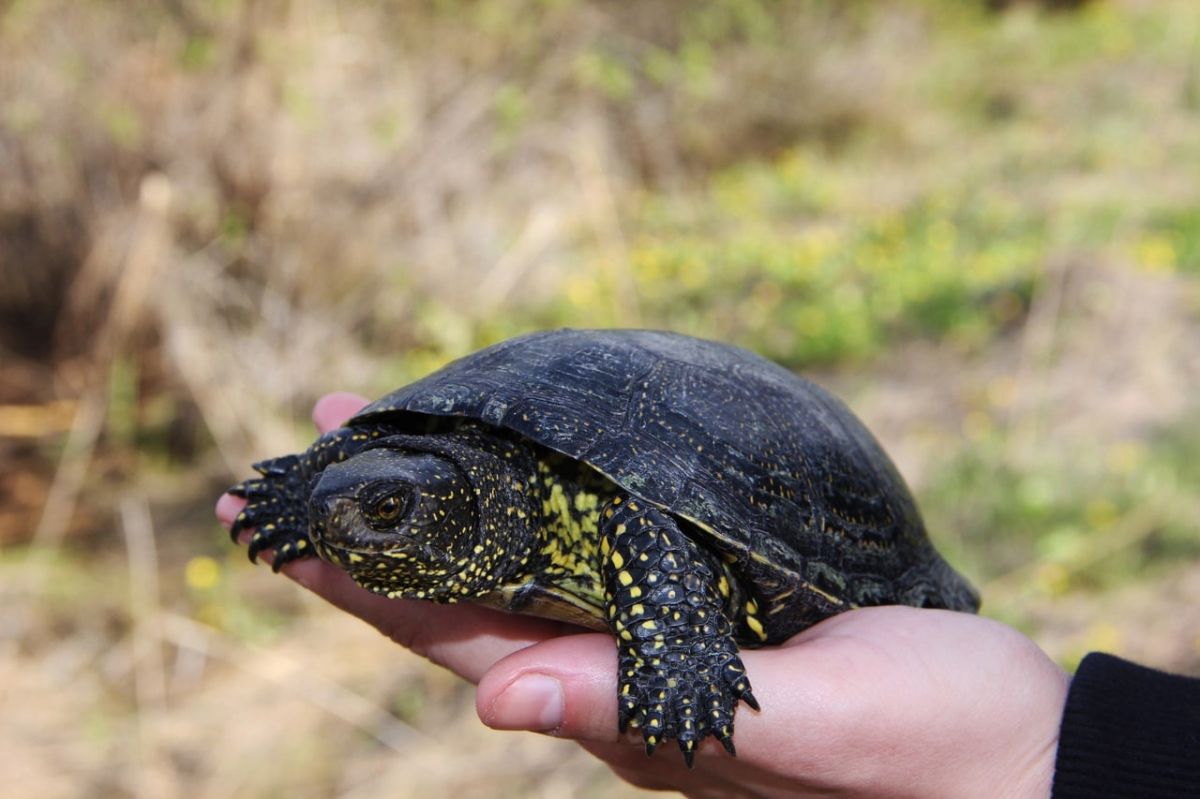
277 500
679 673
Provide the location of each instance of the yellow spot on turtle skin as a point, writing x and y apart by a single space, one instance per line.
355 557
650 739
625 578
625 689
755 625
635 592
751 607
620 528
586 502
242 516
723 587
616 501
650 625
302 544
633 506
605 547
617 560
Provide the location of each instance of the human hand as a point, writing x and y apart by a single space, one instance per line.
876 702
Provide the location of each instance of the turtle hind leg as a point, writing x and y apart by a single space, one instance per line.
679 675
277 500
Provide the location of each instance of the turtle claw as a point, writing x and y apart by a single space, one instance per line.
680 698
258 543
688 754
240 523
651 745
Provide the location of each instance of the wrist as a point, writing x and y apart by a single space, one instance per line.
1031 770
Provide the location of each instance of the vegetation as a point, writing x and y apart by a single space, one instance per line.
978 222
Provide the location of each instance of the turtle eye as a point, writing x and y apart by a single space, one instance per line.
388 508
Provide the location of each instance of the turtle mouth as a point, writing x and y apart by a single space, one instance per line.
412 572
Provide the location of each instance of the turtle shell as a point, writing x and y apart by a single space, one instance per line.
775 471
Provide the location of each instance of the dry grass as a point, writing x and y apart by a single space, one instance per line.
211 213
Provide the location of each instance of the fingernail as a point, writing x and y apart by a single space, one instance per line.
531 702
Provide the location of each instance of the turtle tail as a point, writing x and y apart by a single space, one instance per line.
936 584
956 591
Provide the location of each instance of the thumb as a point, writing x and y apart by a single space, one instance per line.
564 686
567 687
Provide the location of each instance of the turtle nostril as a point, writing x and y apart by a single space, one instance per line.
326 517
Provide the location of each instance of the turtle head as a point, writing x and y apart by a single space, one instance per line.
402 523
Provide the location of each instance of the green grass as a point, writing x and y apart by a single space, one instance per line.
1088 519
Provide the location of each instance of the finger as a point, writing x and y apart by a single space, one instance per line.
227 509
661 772
332 410
568 687
467 639
716 776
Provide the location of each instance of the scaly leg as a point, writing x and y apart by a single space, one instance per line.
679 671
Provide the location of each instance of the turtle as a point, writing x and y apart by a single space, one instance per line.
687 496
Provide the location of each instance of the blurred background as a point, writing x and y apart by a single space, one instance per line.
978 222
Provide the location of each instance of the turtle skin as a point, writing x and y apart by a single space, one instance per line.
688 496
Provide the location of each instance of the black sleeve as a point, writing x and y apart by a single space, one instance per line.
1128 731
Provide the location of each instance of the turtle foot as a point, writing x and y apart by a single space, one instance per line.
276 511
682 694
